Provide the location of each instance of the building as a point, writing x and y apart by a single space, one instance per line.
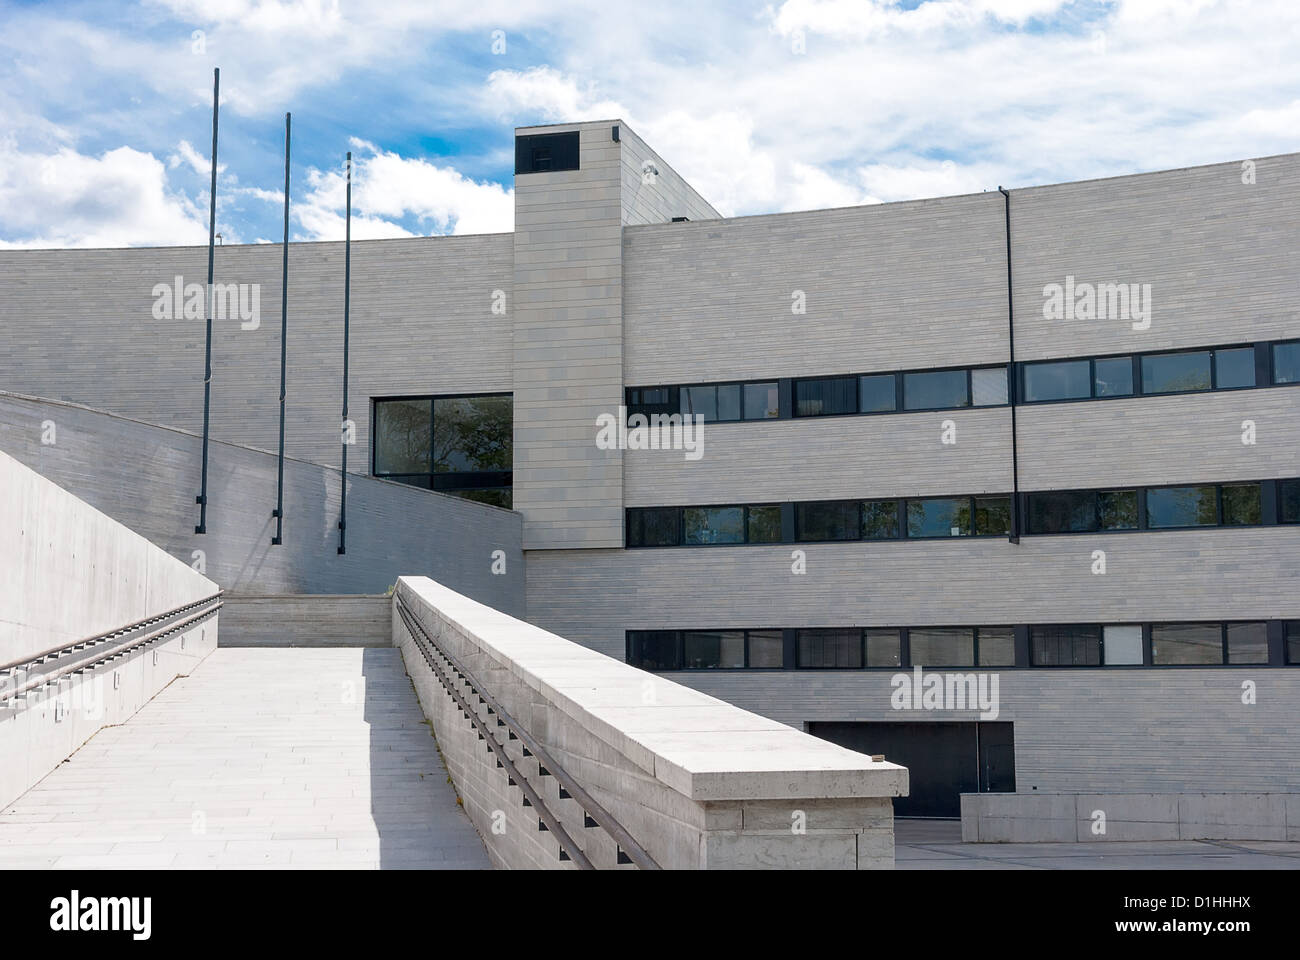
1046 439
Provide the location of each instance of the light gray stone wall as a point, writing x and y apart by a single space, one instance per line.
315 620
79 327
1230 573
146 477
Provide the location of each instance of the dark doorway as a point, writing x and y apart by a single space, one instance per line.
944 760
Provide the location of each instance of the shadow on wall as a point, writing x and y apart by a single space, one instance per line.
146 477
412 801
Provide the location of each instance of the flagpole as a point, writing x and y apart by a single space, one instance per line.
347 297
202 498
278 513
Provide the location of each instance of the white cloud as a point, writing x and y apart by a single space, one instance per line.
67 199
548 94
186 154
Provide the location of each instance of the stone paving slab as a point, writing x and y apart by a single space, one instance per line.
287 758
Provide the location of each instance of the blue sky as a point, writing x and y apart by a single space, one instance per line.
105 120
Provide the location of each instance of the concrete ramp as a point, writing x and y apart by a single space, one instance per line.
280 758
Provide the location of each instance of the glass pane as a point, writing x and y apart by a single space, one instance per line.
713 525
992 516
827 521
1123 645
497 496
935 390
1286 362
1065 646
884 648
701 400
1118 509
729 401
653 527
877 393
1290 497
1248 643
1293 641
1172 372
762 401
1113 376
1181 507
880 520
1062 511
1186 643
764 524
830 648
819 398
1242 504
997 647
942 647
713 649
766 649
1058 380
472 433
938 518
988 387
654 649
1234 368
402 434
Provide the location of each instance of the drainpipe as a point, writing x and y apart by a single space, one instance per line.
1012 379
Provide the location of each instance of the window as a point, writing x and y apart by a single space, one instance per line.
1234 368
935 390
648 401
939 517
880 520
1286 362
766 649
992 516
713 649
457 445
1183 643
884 648
1242 504
1117 509
546 152
653 527
997 647
654 649
762 401
1176 372
1058 380
403 429
713 525
1113 377
877 393
836 520
1293 641
1181 507
942 647
1123 645
764 525
1065 646
820 398
826 649
988 387
704 401
1289 495
1247 642
1062 512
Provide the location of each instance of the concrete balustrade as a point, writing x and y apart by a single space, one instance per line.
697 782
68 572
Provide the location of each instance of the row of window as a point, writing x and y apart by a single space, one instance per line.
1067 511
1061 645
1048 381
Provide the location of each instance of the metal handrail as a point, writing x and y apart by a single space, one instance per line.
107 635
211 605
592 809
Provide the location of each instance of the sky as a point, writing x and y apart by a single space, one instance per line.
105 107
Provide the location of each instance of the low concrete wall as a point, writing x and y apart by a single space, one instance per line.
1076 818
699 783
307 620
68 572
